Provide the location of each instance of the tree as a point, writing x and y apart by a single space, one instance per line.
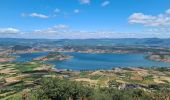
61 89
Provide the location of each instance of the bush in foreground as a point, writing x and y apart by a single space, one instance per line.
63 89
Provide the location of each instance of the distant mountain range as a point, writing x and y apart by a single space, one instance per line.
90 42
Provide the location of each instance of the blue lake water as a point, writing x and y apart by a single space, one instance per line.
90 61
24 57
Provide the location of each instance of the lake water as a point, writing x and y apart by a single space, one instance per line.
90 61
24 57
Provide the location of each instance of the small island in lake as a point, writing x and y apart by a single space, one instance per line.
53 56
159 57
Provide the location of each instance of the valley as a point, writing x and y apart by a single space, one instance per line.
21 68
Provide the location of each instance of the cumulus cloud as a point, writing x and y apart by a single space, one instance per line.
9 31
76 11
150 20
84 1
168 11
38 15
105 3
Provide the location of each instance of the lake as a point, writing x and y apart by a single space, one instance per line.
93 61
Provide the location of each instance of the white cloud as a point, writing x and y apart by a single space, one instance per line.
62 31
85 1
76 11
168 11
105 3
140 18
150 20
53 30
9 31
158 30
38 15
61 26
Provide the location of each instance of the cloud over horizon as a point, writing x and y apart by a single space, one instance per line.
61 31
9 31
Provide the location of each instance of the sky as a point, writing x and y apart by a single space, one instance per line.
81 19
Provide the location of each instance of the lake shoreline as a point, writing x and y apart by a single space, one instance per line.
94 61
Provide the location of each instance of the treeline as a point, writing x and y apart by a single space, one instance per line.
63 89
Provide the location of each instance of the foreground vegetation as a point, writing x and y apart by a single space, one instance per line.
64 89
39 81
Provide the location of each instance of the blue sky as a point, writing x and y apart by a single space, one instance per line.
85 18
